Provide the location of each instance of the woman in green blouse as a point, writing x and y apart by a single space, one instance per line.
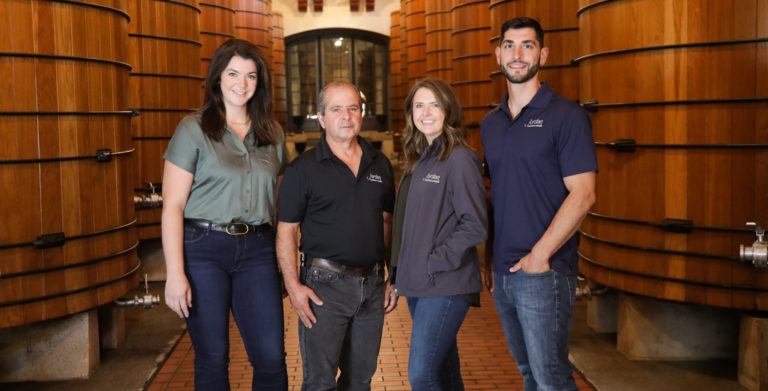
221 170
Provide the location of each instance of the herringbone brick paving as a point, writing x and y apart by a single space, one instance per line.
486 362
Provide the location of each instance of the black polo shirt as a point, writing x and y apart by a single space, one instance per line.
340 214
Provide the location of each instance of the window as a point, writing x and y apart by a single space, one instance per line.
360 57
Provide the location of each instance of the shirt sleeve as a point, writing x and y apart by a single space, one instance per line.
293 201
184 148
575 145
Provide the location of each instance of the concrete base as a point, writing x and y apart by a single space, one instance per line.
601 312
66 348
652 329
753 353
150 252
111 326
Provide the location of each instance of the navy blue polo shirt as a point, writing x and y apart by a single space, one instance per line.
528 157
341 215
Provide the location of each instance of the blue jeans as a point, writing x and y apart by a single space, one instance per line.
535 312
347 334
433 363
238 273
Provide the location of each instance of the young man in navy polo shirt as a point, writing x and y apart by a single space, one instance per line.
541 157
341 194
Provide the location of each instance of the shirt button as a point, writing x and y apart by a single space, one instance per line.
248 172
247 191
246 211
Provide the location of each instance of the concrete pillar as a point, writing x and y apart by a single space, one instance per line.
601 312
653 329
59 349
753 353
111 326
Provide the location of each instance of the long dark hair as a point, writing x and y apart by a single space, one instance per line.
213 116
414 142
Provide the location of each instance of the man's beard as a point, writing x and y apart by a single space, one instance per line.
519 79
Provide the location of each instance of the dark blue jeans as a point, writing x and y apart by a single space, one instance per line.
347 335
433 363
238 273
535 312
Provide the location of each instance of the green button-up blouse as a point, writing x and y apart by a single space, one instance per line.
234 181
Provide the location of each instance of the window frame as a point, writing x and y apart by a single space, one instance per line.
295 124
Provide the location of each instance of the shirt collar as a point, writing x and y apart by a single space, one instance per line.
540 100
323 151
433 149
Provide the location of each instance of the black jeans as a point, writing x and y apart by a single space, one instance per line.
347 334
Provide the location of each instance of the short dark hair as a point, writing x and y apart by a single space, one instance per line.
259 107
523 22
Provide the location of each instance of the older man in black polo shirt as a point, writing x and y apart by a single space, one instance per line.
341 193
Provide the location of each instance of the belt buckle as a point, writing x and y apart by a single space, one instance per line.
247 228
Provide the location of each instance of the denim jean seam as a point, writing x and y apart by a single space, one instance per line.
433 353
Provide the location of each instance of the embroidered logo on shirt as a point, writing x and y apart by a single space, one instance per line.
434 178
374 178
534 123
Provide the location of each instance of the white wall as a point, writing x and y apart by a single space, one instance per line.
335 14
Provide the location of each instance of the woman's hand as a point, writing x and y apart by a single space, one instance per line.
178 295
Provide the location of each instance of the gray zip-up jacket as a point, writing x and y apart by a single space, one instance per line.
445 218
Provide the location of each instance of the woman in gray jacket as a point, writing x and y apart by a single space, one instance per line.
440 217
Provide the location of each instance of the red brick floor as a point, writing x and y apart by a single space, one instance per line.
486 362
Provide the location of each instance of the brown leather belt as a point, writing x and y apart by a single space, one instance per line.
354 271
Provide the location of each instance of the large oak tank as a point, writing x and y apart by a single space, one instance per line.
679 98
164 87
68 242
437 22
217 25
416 44
472 63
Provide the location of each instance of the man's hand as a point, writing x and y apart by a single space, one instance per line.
488 273
300 296
488 280
531 264
390 298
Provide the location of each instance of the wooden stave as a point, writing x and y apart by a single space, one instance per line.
164 87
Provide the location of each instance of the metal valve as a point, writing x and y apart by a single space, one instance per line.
148 300
149 197
758 253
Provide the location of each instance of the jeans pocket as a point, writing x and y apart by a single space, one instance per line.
193 234
542 274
